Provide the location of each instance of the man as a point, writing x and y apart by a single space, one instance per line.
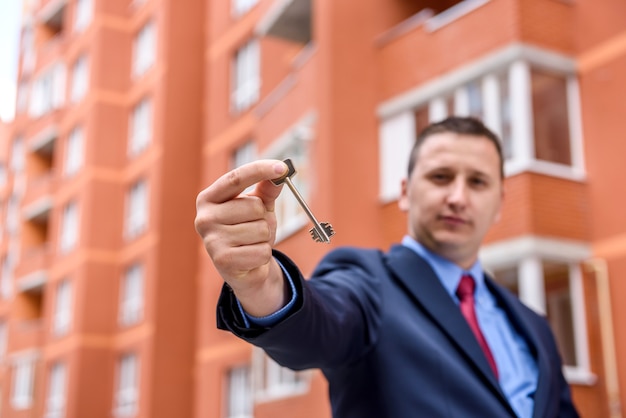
419 331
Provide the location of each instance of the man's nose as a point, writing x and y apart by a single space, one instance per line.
457 194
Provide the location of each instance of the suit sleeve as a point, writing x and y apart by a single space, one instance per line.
335 316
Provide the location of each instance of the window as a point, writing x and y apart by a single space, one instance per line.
13 214
244 154
548 292
294 144
28 52
239 403
534 111
80 79
62 308
18 155
144 49
246 76
131 305
127 395
6 278
396 137
83 14
137 209
55 403
140 127
550 117
48 91
74 152
69 228
23 377
546 276
239 7
272 381
23 91
4 337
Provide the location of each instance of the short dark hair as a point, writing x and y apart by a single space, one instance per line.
459 125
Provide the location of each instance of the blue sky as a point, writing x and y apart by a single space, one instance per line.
10 20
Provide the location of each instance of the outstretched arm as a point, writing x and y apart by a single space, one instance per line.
238 231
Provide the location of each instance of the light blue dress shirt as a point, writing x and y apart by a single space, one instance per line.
517 369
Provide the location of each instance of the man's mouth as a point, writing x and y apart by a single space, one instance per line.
453 220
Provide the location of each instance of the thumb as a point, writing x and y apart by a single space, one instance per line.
268 191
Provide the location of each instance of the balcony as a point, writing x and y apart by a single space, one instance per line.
31 271
288 19
481 27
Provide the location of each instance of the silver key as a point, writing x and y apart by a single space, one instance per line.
321 232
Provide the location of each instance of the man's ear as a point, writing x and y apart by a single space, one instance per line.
499 213
403 201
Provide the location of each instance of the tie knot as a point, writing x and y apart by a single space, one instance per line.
466 287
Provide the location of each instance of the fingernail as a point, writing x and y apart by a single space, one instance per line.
279 168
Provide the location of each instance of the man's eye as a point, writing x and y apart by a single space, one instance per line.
478 182
440 177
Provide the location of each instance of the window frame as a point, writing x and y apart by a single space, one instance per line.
69 228
57 385
245 76
127 386
74 152
63 300
294 143
516 62
137 209
144 49
239 402
80 78
528 253
132 306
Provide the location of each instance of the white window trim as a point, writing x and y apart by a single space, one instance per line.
57 383
132 305
140 127
74 152
527 252
62 318
70 227
241 7
231 392
518 58
396 136
246 76
267 379
83 14
127 393
137 209
80 79
302 130
144 49
24 365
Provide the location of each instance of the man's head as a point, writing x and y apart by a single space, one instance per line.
458 125
454 190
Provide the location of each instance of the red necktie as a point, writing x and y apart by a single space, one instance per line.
465 293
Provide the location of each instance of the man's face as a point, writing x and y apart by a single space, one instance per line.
454 195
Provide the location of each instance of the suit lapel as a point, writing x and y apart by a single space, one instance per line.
518 315
417 277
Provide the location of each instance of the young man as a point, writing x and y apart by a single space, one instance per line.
418 331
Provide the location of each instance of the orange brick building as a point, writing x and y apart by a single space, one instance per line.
127 108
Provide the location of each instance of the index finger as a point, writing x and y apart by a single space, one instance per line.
231 184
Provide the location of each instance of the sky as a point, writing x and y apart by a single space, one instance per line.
10 19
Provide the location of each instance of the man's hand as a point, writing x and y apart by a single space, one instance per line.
238 231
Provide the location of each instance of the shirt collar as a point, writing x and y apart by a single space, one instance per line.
448 273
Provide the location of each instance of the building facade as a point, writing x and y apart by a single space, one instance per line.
126 109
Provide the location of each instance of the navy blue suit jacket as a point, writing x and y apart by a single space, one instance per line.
393 344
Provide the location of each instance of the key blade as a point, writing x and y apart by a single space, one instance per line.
323 233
